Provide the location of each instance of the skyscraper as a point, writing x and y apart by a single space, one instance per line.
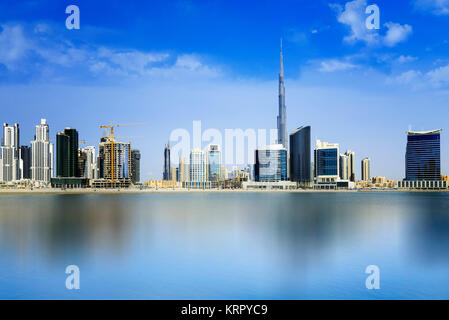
121 159
270 163
182 170
67 154
198 166
214 162
282 117
167 164
327 162
351 165
366 170
344 167
135 166
90 164
423 159
42 154
300 157
25 155
10 162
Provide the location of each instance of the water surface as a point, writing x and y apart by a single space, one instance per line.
225 245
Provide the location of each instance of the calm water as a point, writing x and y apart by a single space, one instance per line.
225 246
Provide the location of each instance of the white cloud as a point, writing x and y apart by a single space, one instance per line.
406 78
405 59
333 65
437 7
439 76
354 16
35 51
13 45
396 33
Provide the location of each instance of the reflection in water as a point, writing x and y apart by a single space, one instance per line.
255 245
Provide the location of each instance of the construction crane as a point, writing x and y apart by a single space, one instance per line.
111 139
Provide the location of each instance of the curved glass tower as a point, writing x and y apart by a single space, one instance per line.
422 160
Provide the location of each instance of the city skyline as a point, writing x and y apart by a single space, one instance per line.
333 78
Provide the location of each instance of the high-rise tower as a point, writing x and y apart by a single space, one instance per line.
282 117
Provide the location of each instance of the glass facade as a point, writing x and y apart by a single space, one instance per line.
326 161
422 160
271 164
300 155
214 162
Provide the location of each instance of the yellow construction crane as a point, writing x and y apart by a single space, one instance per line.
111 139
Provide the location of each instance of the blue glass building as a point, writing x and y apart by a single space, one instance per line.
214 162
270 164
423 159
327 159
300 155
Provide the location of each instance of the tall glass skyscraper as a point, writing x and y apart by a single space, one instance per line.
300 155
422 159
214 162
166 175
282 117
67 153
271 164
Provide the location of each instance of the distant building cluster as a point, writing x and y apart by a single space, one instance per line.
69 166
288 164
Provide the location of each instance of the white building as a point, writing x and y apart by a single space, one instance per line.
42 154
366 169
198 166
90 170
351 165
11 164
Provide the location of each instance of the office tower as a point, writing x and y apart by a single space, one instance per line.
198 166
422 161
327 162
25 155
135 166
67 154
10 163
366 169
282 117
351 165
300 155
270 163
182 170
214 162
173 173
344 167
42 154
224 173
121 158
81 165
90 168
167 164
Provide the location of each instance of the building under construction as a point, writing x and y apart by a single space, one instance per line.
119 174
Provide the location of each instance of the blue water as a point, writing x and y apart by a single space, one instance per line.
225 246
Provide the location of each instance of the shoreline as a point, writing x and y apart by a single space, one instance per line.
196 191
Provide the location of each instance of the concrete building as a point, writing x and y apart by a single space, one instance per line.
119 174
10 162
351 165
90 169
344 167
366 169
182 170
198 170
42 154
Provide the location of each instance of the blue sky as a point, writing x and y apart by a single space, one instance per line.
168 63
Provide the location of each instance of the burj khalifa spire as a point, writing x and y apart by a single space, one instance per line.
282 117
